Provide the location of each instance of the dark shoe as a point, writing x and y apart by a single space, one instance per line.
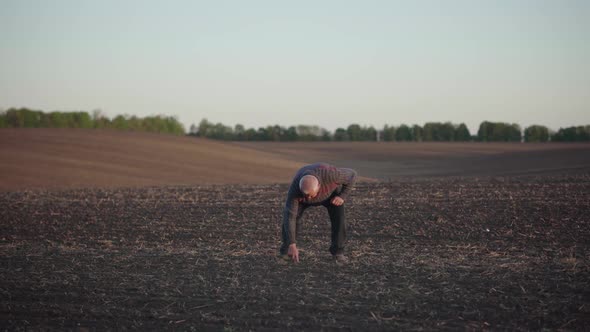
340 259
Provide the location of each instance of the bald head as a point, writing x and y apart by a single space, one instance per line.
309 185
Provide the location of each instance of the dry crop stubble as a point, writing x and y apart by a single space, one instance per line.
446 253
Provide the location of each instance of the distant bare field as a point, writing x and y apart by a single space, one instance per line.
78 158
393 160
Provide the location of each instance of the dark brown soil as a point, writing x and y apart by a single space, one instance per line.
42 158
397 160
497 253
86 158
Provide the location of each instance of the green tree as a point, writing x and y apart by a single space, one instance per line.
514 133
429 132
250 134
341 134
498 132
83 120
403 133
417 133
100 120
484 133
446 132
388 133
120 122
536 133
136 124
262 134
439 132
32 119
355 132
572 134
22 118
325 135
369 134
275 133
239 132
205 128
15 118
58 120
309 133
3 123
291 134
174 126
462 133
220 131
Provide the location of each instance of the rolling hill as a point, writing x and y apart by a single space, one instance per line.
67 158
87 158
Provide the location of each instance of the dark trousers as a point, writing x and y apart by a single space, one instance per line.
337 221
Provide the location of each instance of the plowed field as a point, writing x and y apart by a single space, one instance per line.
452 253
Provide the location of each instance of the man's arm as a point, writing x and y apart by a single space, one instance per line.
346 177
290 212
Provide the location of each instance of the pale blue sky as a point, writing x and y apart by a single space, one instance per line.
330 63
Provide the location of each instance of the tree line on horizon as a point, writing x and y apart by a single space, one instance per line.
26 118
430 132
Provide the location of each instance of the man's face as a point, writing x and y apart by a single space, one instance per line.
312 193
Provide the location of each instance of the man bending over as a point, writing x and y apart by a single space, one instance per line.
315 185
